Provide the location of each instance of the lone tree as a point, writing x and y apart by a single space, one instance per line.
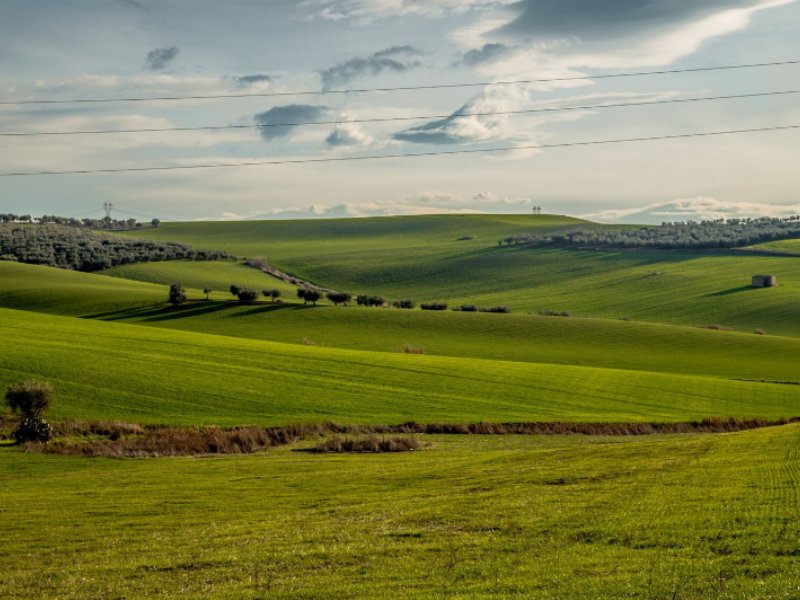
30 399
207 291
235 290
177 295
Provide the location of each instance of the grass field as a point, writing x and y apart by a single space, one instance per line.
143 374
468 517
666 516
428 258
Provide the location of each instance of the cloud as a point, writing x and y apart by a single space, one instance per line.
397 59
133 4
252 81
605 35
348 134
279 121
367 11
158 58
698 208
459 128
486 54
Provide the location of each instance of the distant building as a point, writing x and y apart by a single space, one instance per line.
763 281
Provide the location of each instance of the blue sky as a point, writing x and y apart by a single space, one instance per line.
52 50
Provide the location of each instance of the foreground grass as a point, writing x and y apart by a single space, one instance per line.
142 374
469 517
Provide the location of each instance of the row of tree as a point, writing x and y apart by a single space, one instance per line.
85 250
246 295
104 223
719 233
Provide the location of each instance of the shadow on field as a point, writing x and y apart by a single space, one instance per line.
163 313
736 290
194 308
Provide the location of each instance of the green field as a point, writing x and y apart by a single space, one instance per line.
142 374
469 517
426 259
666 516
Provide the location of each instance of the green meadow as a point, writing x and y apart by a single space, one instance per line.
457 259
651 336
467 517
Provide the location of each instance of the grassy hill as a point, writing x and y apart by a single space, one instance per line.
456 258
603 343
142 374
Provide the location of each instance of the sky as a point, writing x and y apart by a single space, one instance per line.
56 50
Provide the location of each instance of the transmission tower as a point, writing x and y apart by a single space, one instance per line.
108 207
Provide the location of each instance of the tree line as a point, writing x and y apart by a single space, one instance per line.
718 233
104 223
85 250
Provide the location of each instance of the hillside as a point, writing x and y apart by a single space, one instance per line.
603 343
457 259
142 374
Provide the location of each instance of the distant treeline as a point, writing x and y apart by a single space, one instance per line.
104 223
85 250
720 233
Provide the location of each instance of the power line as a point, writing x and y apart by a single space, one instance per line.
412 118
401 88
295 161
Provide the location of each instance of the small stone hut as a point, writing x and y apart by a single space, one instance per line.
762 281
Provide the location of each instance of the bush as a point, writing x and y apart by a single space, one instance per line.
32 430
554 313
246 295
235 290
467 308
406 349
370 301
433 306
496 309
177 295
30 399
403 303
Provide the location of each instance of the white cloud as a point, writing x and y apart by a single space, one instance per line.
348 134
366 11
700 208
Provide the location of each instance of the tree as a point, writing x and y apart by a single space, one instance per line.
30 399
339 297
246 295
235 290
271 294
207 291
155 222
309 295
177 295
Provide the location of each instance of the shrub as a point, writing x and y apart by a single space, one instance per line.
406 349
235 290
369 444
30 399
433 306
759 332
496 309
554 313
406 303
246 295
177 295
467 308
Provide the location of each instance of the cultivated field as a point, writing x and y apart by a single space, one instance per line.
691 515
